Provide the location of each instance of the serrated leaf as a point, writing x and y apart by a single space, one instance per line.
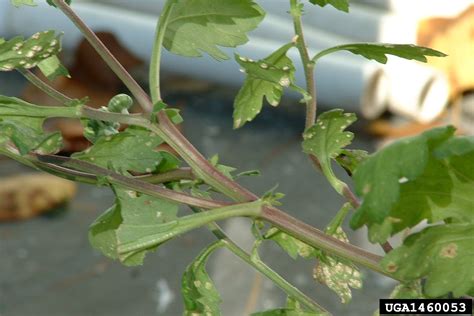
337 275
406 183
342 5
19 3
20 53
379 51
266 78
350 159
52 68
291 245
199 292
327 138
197 26
21 123
442 254
131 150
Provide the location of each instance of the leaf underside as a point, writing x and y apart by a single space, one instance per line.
266 78
379 51
326 140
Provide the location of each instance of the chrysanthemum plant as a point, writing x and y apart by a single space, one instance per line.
429 177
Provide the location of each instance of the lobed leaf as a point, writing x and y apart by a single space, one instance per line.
20 53
266 78
199 292
197 26
134 149
442 254
416 179
379 51
342 5
326 140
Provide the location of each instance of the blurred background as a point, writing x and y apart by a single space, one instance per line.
47 266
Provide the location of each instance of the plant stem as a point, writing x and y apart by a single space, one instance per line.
308 65
190 222
128 182
107 56
200 165
261 267
168 176
289 224
202 168
31 77
311 105
318 239
155 63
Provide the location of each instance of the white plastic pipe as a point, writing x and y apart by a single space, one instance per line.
342 82
416 90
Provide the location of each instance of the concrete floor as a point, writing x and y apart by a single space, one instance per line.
47 266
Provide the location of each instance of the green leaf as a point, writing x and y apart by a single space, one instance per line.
379 51
21 123
415 179
102 233
350 159
132 216
142 215
131 150
199 292
94 130
197 26
442 254
52 68
337 275
20 53
266 78
327 138
342 5
291 245
141 233
19 3
226 170
293 308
